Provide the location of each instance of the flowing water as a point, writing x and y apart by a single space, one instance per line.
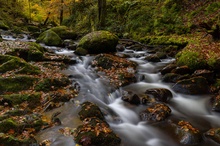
124 117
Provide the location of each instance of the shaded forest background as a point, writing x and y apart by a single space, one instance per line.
127 18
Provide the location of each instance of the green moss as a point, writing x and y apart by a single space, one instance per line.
3 26
8 124
81 51
16 83
49 38
165 40
33 100
9 63
48 84
194 60
64 32
99 42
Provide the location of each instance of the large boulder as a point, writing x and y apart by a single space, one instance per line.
213 134
155 112
186 133
64 32
49 38
160 94
98 42
119 71
193 86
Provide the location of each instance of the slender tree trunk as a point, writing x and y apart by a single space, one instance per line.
61 12
29 7
101 12
48 16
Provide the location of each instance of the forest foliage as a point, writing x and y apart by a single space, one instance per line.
129 18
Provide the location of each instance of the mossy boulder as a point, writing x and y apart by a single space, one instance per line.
16 83
165 40
90 110
7 139
194 60
33 100
95 132
119 71
33 29
32 52
99 42
48 84
3 25
9 63
213 134
49 38
186 133
193 86
160 94
64 32
8 124
155 112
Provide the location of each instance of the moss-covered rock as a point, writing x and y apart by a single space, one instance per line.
160 94
49 38
194 86
64 32
194 60
95 132
81 51
33 100
155 112
9 63
33 52
119 71
3 25
8 124
186 133
7 139
165 40
213 134
48 84
16 83
99 42
90 110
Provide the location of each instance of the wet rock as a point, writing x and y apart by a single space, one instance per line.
95 132
161 55
213 134
155 112
119 71
173 77
168 69
207 74
160 94
182 70
195 85
49 38
130 97
90 110
186 133
216 103
152 58
98 42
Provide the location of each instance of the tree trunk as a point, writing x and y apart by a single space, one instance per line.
61 12
48 15
101 12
